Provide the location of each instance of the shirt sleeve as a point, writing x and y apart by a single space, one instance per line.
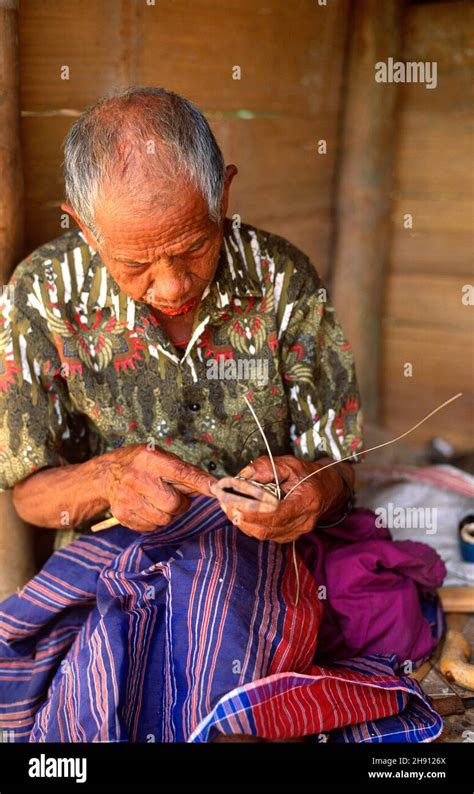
36 429
319 375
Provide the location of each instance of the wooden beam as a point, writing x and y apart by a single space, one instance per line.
457 599
16 537
363 190
11 177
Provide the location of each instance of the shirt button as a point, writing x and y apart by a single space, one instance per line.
212 466
195 407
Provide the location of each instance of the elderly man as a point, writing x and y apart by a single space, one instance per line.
131 350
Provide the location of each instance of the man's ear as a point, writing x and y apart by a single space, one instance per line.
231 171
87 234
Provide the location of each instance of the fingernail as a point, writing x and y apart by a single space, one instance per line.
249 471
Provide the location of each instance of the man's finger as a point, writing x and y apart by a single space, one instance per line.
288 511
260 470
169 499
245 495
189 479
279 532
159 508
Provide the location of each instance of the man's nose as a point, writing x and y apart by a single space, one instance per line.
168 281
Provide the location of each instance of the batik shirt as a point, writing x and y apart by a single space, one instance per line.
84 369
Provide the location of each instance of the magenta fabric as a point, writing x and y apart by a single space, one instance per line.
372 588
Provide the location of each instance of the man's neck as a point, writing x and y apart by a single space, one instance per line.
179 328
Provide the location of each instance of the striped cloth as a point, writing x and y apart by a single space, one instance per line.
182 634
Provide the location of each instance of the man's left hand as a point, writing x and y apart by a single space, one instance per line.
295 514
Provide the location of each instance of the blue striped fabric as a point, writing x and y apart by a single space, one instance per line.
180 635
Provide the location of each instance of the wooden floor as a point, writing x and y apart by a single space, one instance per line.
453 702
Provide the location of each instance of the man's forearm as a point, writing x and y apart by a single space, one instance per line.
62 497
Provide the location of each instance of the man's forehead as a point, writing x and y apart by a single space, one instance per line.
135 231
153 239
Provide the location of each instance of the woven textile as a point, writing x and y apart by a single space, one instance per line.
184 633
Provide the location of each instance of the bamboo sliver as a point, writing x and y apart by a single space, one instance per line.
106 524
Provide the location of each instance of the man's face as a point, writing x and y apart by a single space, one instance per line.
165 258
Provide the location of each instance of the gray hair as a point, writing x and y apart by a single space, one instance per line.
123 124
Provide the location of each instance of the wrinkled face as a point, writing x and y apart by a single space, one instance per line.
166 258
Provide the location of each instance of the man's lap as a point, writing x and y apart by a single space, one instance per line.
180 635
198 608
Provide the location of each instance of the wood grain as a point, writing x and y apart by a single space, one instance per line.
11 178
457 599
425 321
268 122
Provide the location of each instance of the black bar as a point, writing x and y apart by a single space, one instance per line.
243 768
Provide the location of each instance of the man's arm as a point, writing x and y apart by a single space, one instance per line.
62 497
144 489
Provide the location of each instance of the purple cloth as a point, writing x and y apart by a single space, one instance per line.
372 588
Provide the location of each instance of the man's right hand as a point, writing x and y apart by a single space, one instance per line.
147 489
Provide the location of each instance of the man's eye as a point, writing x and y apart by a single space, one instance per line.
136 265
196 246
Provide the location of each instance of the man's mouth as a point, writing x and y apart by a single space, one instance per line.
173 311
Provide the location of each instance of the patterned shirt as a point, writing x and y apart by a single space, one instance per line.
85 369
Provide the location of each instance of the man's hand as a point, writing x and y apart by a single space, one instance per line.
297 513
147 489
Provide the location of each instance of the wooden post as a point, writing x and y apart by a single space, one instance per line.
16 538
363 190
11 177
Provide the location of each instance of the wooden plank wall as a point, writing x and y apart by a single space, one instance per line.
425 321
268 122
